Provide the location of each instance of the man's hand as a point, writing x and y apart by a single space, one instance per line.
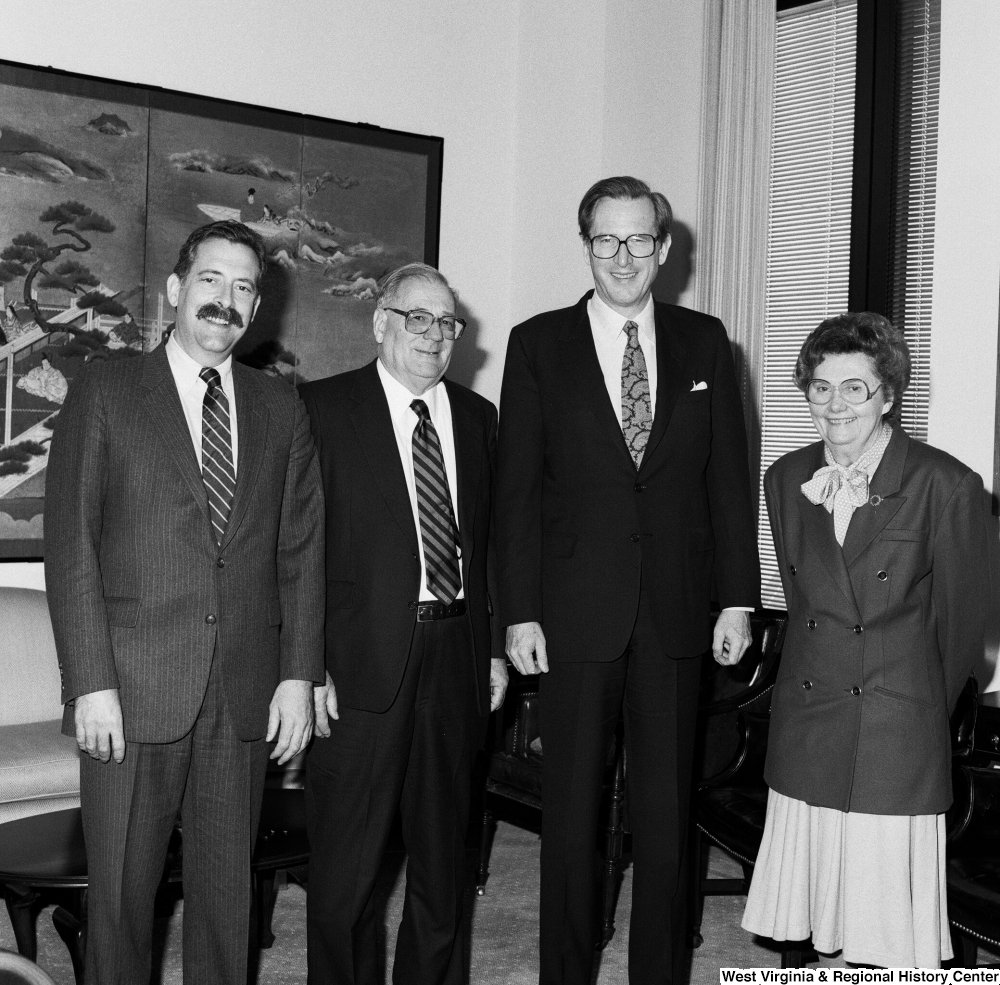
526 648
325 706
99 729
291 719
732 636
498 682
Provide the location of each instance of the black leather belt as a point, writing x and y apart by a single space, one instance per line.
429 611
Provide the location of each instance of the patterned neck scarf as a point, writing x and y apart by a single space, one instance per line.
843 488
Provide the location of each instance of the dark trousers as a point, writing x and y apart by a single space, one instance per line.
416 756
580 704
216 781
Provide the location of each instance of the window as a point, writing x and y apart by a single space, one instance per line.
846 230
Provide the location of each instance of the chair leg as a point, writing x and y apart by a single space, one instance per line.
485 846
264 898
23 907
613 847
696 886
71 926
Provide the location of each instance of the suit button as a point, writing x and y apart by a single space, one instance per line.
791 568
221 563
855 691
413 605
882 575
811 624
210 619
858 630
635 538
639 487
807 685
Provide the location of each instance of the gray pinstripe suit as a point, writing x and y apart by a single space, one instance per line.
194 636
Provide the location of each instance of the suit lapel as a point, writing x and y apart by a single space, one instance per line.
373 426
468 456
670 379
818 528
163 406
251 430
869 520
582 367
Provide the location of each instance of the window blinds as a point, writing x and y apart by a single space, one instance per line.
918 58
809 237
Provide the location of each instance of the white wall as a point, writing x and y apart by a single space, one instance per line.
533 100
966 295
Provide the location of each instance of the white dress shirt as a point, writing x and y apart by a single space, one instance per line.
192 389
404 420
610 339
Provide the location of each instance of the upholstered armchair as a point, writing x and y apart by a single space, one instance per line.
39 767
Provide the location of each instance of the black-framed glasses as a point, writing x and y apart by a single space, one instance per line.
418 321
640 245
852 391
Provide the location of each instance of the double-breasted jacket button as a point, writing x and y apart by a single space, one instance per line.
811 624
791 568
413 605
807 685
635 538
221 563
855 690
882 575
210 619
640 487
858 630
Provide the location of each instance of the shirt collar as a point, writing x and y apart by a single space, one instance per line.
609 323
186 370
400 398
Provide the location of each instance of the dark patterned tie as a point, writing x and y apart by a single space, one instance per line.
217 467
637 420
438 530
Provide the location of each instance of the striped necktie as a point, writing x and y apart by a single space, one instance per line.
637 420
438 529
217 467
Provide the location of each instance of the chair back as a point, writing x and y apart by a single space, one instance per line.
29 668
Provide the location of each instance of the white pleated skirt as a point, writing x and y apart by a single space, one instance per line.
872 885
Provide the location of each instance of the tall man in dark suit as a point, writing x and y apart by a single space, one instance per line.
407 460
623 498
184 564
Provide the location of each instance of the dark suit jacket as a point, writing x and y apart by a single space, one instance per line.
140 594
881 635
372 559
576 523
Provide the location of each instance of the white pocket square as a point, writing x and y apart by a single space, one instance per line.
698 386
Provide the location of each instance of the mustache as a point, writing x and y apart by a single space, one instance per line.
213 310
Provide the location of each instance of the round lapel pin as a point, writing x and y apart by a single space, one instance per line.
875 500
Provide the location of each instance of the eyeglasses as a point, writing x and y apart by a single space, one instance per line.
639 245
851 391
418 322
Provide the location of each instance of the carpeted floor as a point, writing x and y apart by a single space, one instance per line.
502 927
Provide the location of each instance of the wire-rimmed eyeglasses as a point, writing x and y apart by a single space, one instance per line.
418 321
606 246
851 391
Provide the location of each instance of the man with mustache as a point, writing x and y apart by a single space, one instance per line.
184 565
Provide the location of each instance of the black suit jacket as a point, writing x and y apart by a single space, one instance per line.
882 634
576 522
141 596
372 559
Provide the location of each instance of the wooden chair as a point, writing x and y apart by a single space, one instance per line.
514 773
730 800
974 829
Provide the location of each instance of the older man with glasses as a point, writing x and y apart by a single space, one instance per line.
407 460
624 507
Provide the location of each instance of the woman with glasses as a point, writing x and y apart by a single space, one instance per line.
881 543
